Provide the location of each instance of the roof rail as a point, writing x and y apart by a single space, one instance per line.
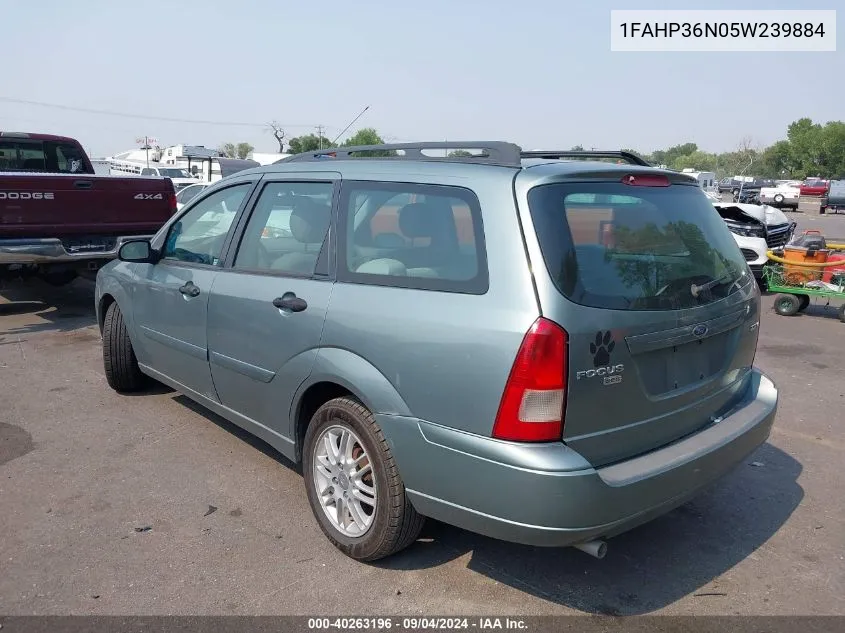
629 157
488 152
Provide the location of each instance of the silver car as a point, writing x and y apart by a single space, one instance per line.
533 346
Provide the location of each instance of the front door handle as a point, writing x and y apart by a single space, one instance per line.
290 302
83 184
189 289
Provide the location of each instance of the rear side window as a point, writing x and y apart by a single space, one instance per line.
635 248
41 156
428 237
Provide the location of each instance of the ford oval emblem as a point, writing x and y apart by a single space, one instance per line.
699 330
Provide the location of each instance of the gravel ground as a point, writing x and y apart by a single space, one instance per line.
149 505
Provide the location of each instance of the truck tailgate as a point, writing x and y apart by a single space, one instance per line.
52 205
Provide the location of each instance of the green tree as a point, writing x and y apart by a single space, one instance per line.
459 153
308 143
243 150
368 136
232 150
669 156
576 148
776 161
698 160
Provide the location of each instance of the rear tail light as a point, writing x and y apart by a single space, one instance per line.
171 199
534 399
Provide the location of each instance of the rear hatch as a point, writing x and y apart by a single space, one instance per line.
660 309
56 205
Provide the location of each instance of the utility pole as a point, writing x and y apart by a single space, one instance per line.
320 135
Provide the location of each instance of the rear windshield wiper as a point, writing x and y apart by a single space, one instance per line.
696 290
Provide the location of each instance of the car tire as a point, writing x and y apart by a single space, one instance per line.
119 362
842 313
393 522
787 304
778 198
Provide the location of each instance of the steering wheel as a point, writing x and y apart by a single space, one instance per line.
189 256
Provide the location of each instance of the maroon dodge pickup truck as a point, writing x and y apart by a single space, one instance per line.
58 220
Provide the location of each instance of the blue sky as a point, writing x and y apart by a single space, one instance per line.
537 72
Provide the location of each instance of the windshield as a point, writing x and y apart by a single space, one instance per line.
173 173
635 248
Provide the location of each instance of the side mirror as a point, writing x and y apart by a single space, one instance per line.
137 251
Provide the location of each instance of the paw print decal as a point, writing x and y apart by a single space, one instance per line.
601 348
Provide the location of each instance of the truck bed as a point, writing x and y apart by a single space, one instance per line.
45 205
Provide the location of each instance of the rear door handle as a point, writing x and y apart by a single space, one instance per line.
190 290
83 184
289 301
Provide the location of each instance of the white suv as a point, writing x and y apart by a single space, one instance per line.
757 228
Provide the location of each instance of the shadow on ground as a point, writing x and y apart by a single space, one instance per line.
655 565
51 309
648 568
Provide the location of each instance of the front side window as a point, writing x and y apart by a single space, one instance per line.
416 236
287 228
635 248
198 236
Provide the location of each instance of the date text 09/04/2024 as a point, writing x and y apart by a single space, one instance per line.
416 623
722 29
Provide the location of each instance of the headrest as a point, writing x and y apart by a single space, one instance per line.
309 221
420 219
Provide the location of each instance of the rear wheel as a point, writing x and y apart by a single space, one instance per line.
119 362
353 484
787 305
842 313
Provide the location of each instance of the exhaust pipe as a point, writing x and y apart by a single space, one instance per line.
598 549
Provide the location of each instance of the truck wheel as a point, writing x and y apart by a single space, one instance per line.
787 305
119 362
353 484
778 198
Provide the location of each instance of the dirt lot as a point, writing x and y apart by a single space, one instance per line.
148 505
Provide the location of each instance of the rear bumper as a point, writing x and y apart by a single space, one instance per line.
548 495
52 251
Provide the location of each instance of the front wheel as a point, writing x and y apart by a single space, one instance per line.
353 484
119 362
787 305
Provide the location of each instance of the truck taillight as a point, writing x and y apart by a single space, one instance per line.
534 399
172 201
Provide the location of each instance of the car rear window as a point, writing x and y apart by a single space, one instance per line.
635 248
41 156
